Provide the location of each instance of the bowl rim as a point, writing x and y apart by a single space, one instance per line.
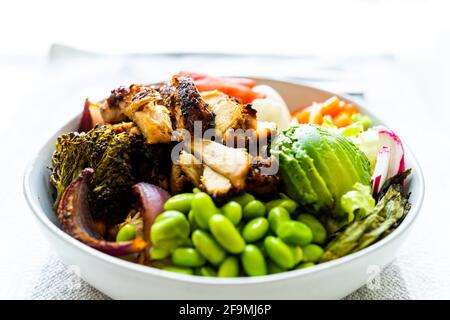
40 215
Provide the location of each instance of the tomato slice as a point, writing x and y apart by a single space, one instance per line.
240 88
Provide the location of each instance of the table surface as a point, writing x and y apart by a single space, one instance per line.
41 94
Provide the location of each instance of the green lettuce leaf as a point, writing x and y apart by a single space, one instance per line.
381 221
357 202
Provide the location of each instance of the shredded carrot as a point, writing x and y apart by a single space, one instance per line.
331 107
337 110
350 109
303 115
316 114
343 119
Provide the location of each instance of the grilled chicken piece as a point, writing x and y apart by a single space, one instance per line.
112 109
232 163
215 184
229 113
191 167
199 175
186 105
257 181
177 179
151 116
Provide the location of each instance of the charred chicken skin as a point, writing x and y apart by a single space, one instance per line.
186 105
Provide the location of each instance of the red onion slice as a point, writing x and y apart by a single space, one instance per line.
74 214
151 203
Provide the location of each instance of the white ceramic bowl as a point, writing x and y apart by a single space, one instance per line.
125 280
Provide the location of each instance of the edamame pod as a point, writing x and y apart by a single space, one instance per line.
187 257
312 253
254 209
295 233
255 229
204 208
277 216
253 261
126 233
279 252
318 230
208 247
226 234
229 268
233 211
180 202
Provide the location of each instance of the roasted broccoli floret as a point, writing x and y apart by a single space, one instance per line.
119 159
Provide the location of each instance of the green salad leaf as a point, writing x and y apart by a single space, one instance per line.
378 223
357 202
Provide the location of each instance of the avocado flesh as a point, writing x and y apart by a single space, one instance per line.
331 160
330 164
325 198
295 181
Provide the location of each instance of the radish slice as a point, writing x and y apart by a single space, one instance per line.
390 139
381 169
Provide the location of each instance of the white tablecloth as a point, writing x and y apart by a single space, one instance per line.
41 95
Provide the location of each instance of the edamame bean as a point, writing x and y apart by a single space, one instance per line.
318 230
289 204
204 208
304 265
182 270
208 247
187 243
187 257
126 233
243 199
229 268
180 202
312 253
167 215
206 271
255 229
170 230
254 209
297 253
273 268
277 216
233 211
158 253
191 219
226 234
295 233
279 252
261 247
253 261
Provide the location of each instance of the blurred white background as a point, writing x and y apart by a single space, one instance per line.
397 53
409 28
